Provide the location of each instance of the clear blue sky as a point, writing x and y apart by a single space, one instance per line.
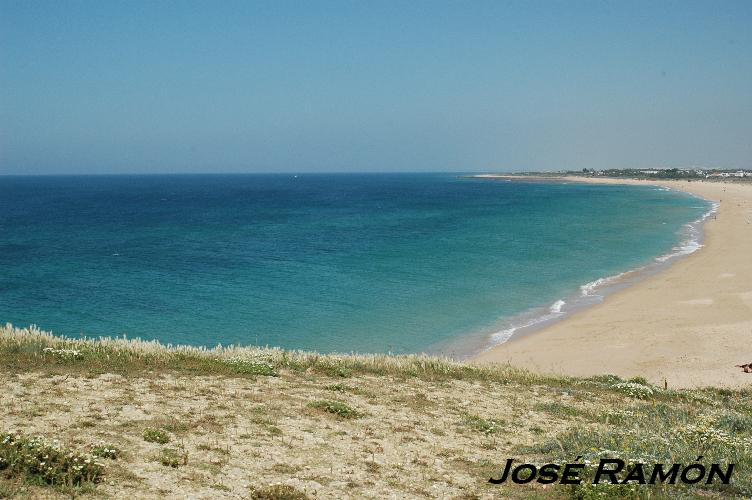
179 86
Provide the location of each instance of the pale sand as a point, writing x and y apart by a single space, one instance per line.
688 325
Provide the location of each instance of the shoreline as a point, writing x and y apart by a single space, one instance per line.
585 295
684 324
595 292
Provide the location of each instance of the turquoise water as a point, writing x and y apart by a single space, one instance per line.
368 263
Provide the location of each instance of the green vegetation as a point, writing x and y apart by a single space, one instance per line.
425 427
482 425
251 367
170 457
156 436
277 492
23 349
39 461
106 451
335 408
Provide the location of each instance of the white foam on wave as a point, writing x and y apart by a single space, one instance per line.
556 306
589 289
687 248
691 243
554 311
504 335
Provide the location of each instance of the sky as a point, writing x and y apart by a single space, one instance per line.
321 86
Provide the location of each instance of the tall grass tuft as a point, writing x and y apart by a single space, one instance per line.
32 347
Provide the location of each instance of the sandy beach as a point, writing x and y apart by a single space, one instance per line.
687 326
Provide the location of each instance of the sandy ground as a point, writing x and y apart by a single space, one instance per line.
688 325
413 440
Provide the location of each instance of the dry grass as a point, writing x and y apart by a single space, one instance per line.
425 427
34 347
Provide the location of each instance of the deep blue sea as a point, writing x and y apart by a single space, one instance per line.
367 263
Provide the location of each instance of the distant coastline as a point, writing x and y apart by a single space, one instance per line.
668 326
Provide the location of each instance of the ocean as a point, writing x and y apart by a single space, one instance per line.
399 263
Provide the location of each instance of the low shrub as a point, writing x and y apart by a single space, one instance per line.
106 451
152 435
336 408
39 461
170 457
277 492
247 366
482 425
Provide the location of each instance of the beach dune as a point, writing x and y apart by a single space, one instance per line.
688 326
